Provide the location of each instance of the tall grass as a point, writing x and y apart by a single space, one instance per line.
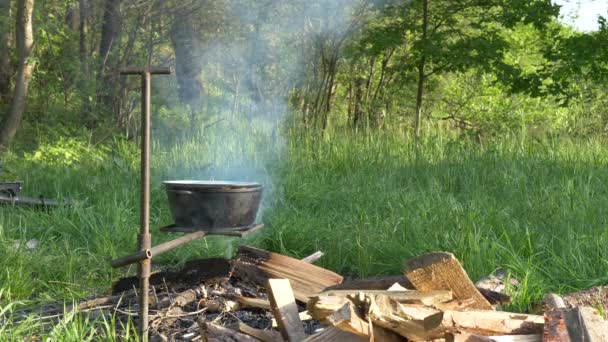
537 209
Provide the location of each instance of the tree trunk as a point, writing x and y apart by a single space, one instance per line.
421 65
188 67
25 46
109 39
6 68
84 63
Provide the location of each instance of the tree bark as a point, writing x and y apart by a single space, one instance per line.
25 47
6 68
109 39
421 65
83 29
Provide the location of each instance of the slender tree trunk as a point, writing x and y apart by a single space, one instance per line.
110 30
25 47
83 28
421 64
6 68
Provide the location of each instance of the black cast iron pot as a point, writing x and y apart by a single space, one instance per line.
213 205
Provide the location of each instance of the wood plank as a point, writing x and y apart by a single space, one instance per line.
463 336
306 279
555 329
492 322
214 333
375 283
518 338
442 271
285 310
320 307
406 297
333 334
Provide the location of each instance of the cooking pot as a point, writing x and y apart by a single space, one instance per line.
213 205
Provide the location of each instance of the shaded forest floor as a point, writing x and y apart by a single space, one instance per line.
537 209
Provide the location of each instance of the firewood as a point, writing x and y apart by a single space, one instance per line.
253 302
585 324
320 307
517 338
398 287
262 335
378 283
415 322
463 336
285 310
214 333
492 322
333 334
406 297
350 318
306 280
442 271
311 259
304 316
555 329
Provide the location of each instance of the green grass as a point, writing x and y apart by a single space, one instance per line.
537 209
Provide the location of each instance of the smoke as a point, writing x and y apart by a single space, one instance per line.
251 57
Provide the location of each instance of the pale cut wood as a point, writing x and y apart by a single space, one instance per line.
463 336
322 306
518 338
333 334
314 257
585 324
406 297
492 322
214 333
350 318
555 329
253 302
415 322
397 287
285 310
442 271
306 279
262 335
377 283
304 316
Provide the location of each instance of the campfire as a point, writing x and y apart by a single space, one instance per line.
265 296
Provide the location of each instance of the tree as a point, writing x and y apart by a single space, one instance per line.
25 47
5 48
452 35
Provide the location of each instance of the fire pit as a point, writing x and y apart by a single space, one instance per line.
213 205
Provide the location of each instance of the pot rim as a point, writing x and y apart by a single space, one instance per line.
210 184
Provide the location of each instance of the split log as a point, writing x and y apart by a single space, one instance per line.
306 280
320 307
463 336
314 257
585 324
253 302
262 335
350 318
285 310
442 271
377 283
405 297
517 338
304 316
333 334
415 322
214 333
492 322
555 329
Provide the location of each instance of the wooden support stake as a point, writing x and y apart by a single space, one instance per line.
442 271
285 310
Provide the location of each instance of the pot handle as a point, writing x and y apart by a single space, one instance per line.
182 192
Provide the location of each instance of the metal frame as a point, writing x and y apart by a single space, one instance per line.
145 250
